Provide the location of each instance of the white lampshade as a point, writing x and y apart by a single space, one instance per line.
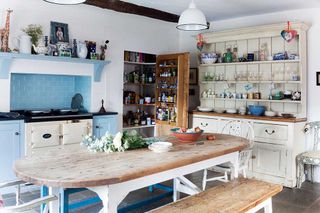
192 19
65 1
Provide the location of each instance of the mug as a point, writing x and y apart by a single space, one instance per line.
250 95
250 57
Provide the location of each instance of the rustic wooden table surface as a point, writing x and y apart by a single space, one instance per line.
73 166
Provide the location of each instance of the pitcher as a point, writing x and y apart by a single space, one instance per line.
82 49
23 43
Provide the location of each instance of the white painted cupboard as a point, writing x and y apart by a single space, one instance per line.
275 147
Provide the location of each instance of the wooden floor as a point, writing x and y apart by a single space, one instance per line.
304 200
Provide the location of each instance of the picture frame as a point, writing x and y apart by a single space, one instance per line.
193 76
59 32
318 78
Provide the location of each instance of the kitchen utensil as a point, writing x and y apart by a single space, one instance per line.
77 102
160 147
270 113
186 136
205 109
256 110
23 43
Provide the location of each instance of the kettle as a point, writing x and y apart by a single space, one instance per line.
41 49
82 49
23 43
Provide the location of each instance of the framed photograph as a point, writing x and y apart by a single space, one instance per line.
193 76
318 78
59 32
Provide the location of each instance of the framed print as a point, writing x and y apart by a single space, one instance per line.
59 32
193 76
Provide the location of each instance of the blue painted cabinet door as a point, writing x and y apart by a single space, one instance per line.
11 149
103 124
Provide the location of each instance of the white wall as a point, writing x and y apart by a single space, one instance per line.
188 43
125 32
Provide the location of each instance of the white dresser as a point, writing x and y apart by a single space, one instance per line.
277 143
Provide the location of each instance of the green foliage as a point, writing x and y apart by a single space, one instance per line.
34 31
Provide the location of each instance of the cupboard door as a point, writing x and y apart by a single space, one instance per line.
209 125
269 159
45 134
103 124
69 129
10 149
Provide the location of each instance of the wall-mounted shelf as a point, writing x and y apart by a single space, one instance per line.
254 100
253 82
140 63
250 62
6 59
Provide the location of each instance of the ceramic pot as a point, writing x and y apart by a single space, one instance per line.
23 43
82 49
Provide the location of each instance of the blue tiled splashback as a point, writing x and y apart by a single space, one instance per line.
38 91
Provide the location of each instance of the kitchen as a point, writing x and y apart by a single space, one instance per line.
166 39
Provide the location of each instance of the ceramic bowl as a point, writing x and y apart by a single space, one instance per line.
208 60
219 110
256 110
186 136
205 109
160 147
231 111
270 113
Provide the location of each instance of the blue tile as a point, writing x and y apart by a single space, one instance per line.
34 91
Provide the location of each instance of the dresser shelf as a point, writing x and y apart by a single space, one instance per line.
254 100
250 63
7 58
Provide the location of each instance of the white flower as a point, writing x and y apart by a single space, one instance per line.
117 140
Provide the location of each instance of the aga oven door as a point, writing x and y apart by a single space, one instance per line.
45 134
73 131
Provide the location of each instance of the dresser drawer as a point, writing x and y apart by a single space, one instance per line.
271 133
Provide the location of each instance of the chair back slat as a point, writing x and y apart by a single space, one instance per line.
239 128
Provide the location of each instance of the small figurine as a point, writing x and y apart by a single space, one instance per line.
103 50
102 109
4 33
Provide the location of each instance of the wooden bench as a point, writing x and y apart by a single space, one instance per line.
241 195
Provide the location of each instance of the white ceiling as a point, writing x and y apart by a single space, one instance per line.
224 9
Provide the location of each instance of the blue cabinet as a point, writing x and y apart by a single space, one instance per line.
12 147
105 123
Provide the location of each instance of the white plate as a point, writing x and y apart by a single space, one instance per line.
205 109
160 147
219 110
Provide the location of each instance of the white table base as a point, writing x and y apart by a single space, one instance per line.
112 195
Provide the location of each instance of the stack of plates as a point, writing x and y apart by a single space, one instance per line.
160 147
232 111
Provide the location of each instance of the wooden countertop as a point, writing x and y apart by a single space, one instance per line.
251 117
73 166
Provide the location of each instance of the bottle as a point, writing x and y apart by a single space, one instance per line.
143 78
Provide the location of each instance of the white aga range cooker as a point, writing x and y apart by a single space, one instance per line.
55 128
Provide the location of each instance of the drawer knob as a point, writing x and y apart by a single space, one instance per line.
270 133
17 133
253 157
204 125
97 127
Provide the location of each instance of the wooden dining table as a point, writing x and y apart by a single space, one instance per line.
113 175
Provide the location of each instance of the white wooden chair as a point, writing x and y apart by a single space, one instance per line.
310 158
25 207
236 128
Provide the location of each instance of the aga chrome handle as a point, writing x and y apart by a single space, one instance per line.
204 125
270 133
97 127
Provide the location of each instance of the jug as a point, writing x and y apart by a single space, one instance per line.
228 56
82 49
23 43
41 49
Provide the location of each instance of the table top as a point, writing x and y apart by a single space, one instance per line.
73 166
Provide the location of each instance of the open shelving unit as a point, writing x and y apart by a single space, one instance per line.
262 76
140 65
172 80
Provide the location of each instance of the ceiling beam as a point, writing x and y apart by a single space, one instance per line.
125 7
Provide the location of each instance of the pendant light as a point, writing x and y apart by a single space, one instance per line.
66 2
192 19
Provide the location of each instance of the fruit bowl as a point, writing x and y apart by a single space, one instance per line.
186 136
